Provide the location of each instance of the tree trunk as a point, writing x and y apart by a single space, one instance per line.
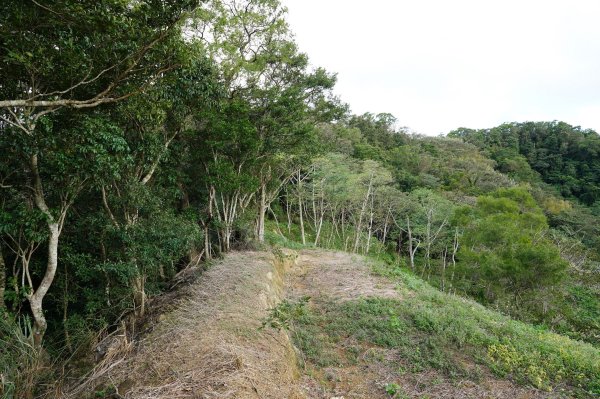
207 251
363 209
276 221
342 219
193 253
2 281
288 212
412 249
206 224
300 209
65 317
37 296
370 234
427 265
385 227
411 253
455 247
139 294
399 244
444 261
319 226
262 210
36 299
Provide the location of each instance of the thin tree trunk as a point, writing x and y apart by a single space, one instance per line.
427 244
399 244
262 210
411 252
207 251
2 281
385 227
412 249
288 211
319 226
314 206
444 261
361 215
68 344
370 234
36 297
206 223
454 251
276 221
343 218
106 276
193 253
139 294
334 228
300 208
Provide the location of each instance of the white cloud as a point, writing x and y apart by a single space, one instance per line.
439 64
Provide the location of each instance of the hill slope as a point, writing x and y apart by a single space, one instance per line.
360 330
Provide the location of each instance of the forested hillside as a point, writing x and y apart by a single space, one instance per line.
141 139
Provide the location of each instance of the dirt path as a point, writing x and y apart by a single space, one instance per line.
340 276
211 345
336 275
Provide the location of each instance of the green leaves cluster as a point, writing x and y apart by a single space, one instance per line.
505 248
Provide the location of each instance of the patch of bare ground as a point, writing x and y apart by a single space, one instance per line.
211 345
325 276
337 275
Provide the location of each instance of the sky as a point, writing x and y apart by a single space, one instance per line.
437 65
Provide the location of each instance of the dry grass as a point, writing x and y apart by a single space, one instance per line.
338 275
211 346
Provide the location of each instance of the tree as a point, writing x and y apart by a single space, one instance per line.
506 251
66 54
84 148
261 64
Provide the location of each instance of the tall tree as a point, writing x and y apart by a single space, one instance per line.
68 55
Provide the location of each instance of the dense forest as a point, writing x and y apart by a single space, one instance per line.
140 138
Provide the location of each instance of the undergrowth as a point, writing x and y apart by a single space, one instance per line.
510 348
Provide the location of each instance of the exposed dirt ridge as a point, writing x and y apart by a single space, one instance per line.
211 345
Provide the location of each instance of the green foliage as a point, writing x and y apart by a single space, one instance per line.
541 358
563 155
70 51
212 130
282 315
394 390
505 251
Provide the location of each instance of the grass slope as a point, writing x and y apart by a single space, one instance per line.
431 330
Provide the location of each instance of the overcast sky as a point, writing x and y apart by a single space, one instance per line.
442 64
